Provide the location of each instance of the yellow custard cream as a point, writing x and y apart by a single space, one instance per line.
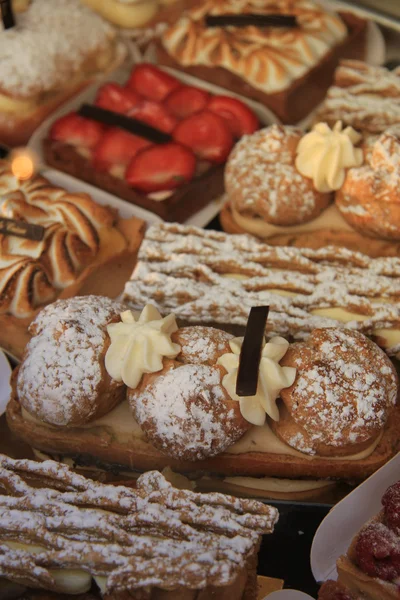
123 427
329 219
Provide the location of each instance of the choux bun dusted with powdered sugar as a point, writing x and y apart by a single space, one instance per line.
344 392
184 408
262 182
62 380
369 199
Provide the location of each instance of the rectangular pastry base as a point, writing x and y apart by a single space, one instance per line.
107 279
179 207
295 103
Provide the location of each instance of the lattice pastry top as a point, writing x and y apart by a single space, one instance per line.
154 535
207 276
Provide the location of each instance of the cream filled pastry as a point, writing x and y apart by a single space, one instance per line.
323 408
78 233
279 182
369 198
57 46
59 532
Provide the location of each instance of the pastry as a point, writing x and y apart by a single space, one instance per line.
68 347
78 234
310 190
369 197
213 277
364 96
371 566
202 420
57 47
145 542
166 175
273 65
324 412
335 590
181 409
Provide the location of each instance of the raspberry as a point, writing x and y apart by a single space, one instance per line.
334 590
378 552
391 506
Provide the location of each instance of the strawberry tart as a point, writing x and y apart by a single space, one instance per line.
198 131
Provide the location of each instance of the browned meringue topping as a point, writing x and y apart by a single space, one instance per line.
270 58
75 232
154 536
364 96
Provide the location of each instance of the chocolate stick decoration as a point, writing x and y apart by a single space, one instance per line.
21 229
108 117
250 354
7 14
245 20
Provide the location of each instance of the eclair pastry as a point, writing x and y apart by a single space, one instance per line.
65 534
172 400
56 48
327 186
272 65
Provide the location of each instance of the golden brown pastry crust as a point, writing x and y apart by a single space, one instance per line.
184 410
261 179
369 199
62 380
343 394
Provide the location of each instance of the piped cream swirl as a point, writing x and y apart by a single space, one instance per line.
138 345
272 379
324 154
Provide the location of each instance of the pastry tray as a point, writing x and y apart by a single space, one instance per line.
35 144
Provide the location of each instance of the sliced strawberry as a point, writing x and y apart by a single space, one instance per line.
117 147
186 101
77 131
163 167
154 114
240 118
207 135
151 82
112 96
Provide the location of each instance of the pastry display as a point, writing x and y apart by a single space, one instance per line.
64 533
328 186
167 171
139 392
287 68
370 569
78 237
56 48
365 96
213 277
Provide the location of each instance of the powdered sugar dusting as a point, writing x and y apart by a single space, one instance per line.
199 347
154 535
261 178
182 268
185 409
364 96
49 46
344 390
61 370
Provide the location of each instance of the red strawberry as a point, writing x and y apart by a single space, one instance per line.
154 114
117 147
207 135
163 167
112 96
240 118
77 131
151 82
186 100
